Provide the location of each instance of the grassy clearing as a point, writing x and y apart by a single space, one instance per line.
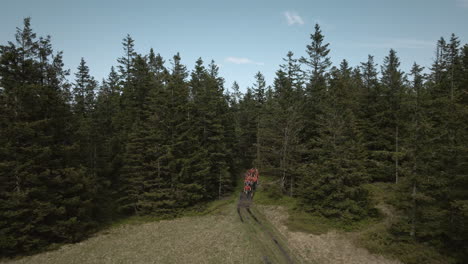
377 238
379 241
312 238
369 239
316 224
298 220
215 237
330 247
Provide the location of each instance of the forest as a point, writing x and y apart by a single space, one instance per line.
154 138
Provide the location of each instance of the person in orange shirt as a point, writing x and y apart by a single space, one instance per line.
254 182
246 179
247 189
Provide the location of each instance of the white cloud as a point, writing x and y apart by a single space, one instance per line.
463 3
238 60
293 18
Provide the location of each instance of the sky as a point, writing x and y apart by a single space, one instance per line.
242 37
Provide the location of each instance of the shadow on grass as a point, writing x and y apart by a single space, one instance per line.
203 209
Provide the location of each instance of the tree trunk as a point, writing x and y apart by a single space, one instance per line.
17 183
396 154
159 174
284 156
291 183
258 141
94 160
219 187
413 212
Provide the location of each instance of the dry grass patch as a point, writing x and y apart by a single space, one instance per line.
331 247
215 238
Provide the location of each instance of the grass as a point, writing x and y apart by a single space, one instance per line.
199 210
371 233
331 247
298 220
314 238
316 224
378 239
214 235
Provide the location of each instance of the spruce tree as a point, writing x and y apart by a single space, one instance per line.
391 117
316 66
332 183
283 125
84 108
45 197
126 62
259 97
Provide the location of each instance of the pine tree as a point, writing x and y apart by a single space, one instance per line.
318 60
84 107
415 186
447 107
317 64
126 62
211 108
45 198
332 182
458 231
283 124
293 71
369 114
107 143
247 129
259 97
84 90
390 125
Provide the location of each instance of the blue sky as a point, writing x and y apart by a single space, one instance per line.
243 37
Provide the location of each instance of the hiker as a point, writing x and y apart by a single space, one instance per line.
250 180
247 180
247 189
254 182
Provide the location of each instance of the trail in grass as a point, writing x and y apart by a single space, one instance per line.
274 249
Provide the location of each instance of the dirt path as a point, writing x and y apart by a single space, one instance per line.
274 249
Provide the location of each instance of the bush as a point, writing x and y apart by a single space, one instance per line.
273 192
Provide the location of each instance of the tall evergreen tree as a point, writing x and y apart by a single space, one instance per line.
318 60
84 105
332 183
317 64
393 91
259 97
44 197
126 62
